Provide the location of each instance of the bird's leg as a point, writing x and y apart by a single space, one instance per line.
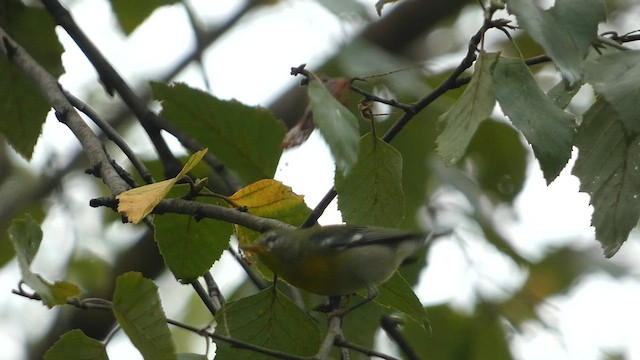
372 292
334 303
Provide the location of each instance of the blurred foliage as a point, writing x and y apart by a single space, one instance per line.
455 335
130 14
481 157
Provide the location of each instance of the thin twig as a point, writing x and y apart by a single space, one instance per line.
391 102
112 134
320 208
252 273
204 296
111 334
198 32
361 349
611 42
214 291
262 350
390 326
124 174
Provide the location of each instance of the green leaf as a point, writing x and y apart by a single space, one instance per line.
361 325
16 181
247 139
91 271
54 294
267 319
546 127
23 108
416 145
473 107
26 236
371 194
565 31
397 294
608 167
75 345
561 94
190 247
136 306
616 77
499 160
479 336
337 124
130 14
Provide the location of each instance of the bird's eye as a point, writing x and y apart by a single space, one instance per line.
270 240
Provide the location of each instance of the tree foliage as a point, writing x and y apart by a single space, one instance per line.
441 134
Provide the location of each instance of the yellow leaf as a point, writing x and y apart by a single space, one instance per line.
271 199
139 202
193 161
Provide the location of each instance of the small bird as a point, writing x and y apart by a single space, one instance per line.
336 260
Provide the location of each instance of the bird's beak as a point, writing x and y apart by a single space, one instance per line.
249 251
251 248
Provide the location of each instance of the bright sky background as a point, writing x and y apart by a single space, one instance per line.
599 314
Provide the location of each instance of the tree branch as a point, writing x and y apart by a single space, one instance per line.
390 326
114 82
361 349
391 102
213 290
334 331
200 210
65 112
112 134
204 296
